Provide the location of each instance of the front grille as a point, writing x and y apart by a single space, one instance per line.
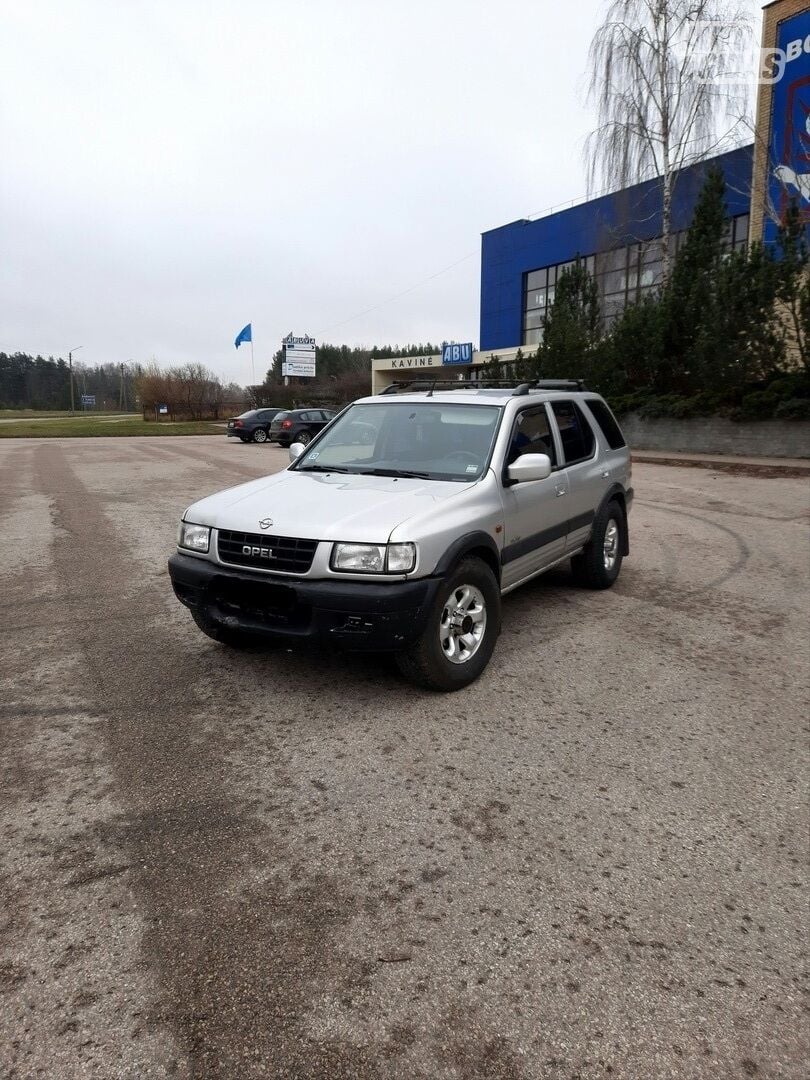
287 554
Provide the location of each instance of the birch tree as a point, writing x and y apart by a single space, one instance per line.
662 77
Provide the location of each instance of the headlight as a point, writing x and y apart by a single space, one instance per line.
193 537
374 558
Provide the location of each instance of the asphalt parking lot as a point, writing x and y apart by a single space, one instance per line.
591 863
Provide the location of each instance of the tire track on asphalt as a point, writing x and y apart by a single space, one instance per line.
237 964
68 982
743 550
220 463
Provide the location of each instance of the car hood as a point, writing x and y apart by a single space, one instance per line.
323 506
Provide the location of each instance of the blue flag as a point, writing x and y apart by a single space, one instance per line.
245 334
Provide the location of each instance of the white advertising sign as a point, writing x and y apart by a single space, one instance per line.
299 356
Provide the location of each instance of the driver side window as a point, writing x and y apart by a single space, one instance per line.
531 435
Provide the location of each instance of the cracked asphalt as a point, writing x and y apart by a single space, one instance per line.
590 864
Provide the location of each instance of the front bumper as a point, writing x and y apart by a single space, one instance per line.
355 615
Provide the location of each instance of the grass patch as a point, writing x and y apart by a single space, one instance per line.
89 427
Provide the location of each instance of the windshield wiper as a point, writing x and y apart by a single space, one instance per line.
323 468
406 473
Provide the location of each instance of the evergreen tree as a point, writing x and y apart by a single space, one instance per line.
794 284
690 298
573 327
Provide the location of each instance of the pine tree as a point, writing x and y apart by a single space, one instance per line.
572 327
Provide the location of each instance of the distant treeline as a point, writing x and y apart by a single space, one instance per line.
34 382
343 374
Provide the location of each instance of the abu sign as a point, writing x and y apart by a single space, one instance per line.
298 356
457 354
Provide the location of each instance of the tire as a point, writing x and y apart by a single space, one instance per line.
429 662
234 639
598 566
303 437
260 435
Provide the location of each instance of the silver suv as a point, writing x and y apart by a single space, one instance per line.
403 523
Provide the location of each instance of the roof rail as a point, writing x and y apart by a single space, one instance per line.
429 385
448 384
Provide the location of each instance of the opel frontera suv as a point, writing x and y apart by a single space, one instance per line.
400 527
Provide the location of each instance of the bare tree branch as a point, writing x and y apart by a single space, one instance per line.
663 97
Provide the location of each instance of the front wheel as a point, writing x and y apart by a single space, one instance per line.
260 435
461 630
598 565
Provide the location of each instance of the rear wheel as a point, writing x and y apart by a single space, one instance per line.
260 435
598 566
461 630
303 437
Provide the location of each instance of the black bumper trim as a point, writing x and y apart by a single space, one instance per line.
367 616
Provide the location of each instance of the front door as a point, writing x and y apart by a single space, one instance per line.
536 511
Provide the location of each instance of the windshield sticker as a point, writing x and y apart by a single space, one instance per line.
315 456
472 468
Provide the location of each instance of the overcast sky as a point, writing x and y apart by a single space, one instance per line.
173 170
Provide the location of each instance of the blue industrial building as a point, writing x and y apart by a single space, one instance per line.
618 237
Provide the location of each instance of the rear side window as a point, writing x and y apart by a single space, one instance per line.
576 433
607 424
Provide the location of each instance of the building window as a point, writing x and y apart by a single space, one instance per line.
623 276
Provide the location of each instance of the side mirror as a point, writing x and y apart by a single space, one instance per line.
296 450
530 467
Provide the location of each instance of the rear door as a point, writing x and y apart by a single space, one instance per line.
585 472
275 425
535 512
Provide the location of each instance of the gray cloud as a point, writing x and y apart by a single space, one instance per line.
173 171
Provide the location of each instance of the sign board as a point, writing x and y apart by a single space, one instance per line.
88 399
789 146
163 409
298 356
457 354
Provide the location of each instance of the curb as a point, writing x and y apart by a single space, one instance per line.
735 468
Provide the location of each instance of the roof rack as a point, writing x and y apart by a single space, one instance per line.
550 384
448 384
430 385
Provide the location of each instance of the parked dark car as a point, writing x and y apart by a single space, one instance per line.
252 426
298 425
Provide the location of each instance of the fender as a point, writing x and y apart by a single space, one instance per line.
469 542
625 501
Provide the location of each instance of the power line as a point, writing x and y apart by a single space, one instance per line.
398 295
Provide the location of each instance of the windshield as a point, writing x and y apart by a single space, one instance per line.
281 415
249 413
434 441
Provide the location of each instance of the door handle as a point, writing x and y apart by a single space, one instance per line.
561 490
606 475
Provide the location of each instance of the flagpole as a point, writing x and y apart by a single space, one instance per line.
252 365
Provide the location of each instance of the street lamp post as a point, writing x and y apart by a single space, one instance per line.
70 364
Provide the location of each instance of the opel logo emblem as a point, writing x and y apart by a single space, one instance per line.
265 523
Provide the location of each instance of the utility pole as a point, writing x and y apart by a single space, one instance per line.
70 364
